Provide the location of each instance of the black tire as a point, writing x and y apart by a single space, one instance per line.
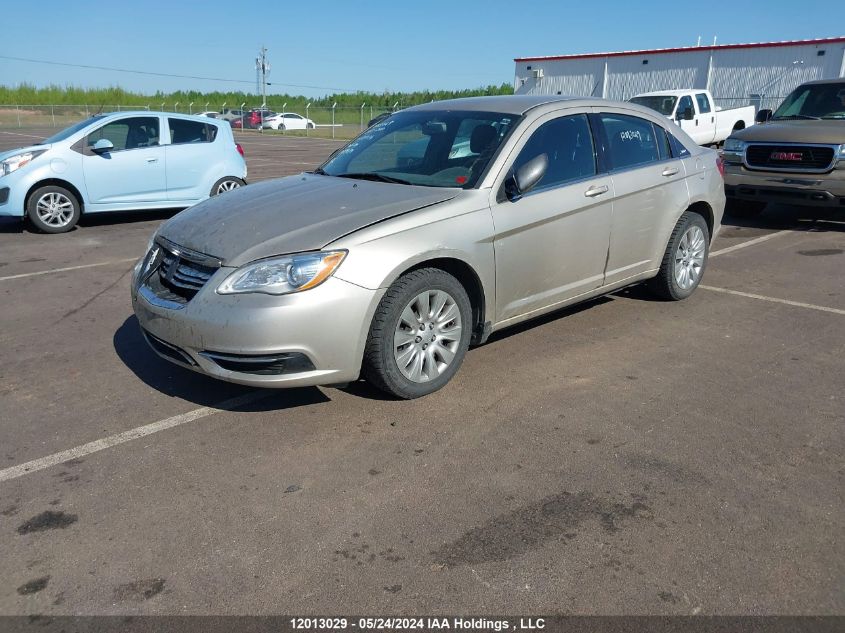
380 367
42 194
310 126
665 285
281 127
221 185
738 208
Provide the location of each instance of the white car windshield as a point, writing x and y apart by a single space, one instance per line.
429 148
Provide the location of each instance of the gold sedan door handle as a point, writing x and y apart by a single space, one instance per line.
594 191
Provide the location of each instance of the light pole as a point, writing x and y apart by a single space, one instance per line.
191 107
362 115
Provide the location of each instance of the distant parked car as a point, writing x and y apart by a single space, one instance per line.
288 121
230 115
256 118
210 114
251 120
117 162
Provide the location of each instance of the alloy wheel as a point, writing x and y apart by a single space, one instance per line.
54 209
227 185
427 336
689 258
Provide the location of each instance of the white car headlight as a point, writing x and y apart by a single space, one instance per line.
735 145
283 275
13 163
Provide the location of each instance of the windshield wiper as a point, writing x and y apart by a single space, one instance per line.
319 171
796 116
374 176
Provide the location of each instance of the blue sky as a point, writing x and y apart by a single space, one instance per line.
372 46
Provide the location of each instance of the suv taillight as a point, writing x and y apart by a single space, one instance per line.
720 165
239 148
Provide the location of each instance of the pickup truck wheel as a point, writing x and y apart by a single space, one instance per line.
53 209
684 259
737 208
419 334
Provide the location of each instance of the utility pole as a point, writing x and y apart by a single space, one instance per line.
262 66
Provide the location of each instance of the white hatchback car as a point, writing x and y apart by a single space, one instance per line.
119 162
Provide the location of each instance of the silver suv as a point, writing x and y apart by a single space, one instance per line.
391 269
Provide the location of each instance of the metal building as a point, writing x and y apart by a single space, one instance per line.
736 74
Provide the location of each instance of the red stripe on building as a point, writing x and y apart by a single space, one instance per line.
685 49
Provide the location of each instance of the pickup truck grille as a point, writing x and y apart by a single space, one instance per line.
817 158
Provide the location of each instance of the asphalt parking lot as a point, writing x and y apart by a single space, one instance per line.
627 456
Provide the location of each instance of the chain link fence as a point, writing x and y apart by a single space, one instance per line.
325 122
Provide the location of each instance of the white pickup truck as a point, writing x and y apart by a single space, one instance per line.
694 111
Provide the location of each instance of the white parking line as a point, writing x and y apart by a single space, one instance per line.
35 465
758 240
26 135
276 143
280 163
270 161
751 295
62 270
